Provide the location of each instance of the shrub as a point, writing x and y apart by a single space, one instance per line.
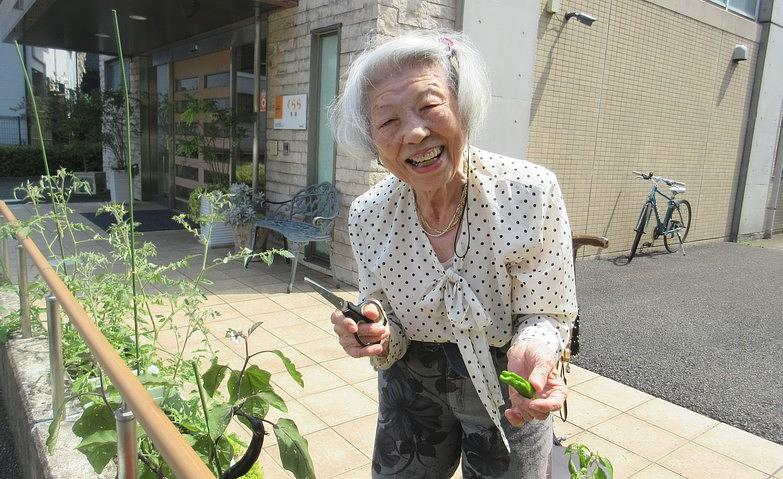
25 160
243 204
245 174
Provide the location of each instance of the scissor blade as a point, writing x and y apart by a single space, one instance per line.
336 301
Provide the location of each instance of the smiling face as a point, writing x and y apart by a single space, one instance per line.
416 127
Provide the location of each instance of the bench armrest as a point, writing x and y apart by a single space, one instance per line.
324 223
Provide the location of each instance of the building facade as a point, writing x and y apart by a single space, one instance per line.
51 71
650 85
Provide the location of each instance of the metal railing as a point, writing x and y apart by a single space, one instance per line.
13 130
182 459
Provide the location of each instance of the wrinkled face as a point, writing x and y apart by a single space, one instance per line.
416 128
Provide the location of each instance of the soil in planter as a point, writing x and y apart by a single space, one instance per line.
10 467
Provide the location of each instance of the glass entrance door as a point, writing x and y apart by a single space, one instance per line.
159 128
325 65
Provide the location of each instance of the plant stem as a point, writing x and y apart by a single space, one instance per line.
244 365
43 148
131 235
103 391
203 396
158 471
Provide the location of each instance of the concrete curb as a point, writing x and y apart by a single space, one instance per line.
24 370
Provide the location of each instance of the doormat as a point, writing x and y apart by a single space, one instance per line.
151 220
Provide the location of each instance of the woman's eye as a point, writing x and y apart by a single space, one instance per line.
386 123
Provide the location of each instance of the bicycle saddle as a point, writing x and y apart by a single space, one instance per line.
677 189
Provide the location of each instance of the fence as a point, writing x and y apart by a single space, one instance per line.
182 459
13 130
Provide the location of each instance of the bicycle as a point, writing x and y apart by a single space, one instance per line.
676 221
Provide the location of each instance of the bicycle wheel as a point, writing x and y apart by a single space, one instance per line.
641 223
681 218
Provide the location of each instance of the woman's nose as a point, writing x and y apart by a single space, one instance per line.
416 130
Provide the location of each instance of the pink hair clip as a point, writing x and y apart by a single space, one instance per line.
448 42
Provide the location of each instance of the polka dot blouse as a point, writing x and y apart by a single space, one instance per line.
515 280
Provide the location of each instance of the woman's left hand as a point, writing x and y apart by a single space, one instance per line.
533 360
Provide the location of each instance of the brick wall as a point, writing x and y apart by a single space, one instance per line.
288 72
644 88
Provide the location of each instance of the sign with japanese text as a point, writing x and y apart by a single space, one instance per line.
290 112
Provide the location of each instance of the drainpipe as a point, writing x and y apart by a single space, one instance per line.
256 95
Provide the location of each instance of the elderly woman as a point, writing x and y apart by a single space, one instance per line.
469 254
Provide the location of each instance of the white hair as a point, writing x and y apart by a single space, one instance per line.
452 51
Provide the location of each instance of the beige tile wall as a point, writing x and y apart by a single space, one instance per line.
645 89
288 66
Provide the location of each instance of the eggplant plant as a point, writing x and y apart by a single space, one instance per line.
138 302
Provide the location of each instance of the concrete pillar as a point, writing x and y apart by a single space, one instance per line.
761 139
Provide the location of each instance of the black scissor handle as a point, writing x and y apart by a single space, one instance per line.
354 312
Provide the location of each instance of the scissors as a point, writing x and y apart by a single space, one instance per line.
350 310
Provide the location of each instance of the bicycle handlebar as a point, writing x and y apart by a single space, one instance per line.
650 176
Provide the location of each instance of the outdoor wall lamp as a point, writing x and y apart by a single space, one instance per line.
584 18
740 53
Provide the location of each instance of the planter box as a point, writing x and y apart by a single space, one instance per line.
222 235
118 185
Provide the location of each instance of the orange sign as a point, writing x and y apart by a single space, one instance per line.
278 107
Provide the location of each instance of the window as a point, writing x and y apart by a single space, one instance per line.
187 84
747 8
216 80
39 83
114 75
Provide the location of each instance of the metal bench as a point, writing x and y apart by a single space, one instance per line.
308 216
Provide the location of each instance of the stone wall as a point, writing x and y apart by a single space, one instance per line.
288 72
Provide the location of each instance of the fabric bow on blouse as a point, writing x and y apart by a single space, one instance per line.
470 323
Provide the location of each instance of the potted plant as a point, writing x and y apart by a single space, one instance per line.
115 135
241 212
205 204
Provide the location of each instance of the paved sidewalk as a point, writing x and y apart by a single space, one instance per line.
645 437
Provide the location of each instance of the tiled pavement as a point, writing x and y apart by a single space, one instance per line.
645 437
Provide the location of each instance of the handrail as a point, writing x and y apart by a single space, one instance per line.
182 459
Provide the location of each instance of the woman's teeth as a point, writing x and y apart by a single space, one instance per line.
427 158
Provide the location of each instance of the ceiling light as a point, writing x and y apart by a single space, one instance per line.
140 18
102 35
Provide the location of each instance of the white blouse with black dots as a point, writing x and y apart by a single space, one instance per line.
515 279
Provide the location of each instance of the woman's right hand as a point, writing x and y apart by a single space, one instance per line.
370 332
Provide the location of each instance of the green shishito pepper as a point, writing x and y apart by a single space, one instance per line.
519 383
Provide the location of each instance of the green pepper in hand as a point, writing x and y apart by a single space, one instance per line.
519 383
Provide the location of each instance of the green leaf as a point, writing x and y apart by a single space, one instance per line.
270 397
254 406
607 465
293 449
253 327
254 381
100 448
572 468
219 416
584 456
213 377
54 427
290 367
96 417
599 473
